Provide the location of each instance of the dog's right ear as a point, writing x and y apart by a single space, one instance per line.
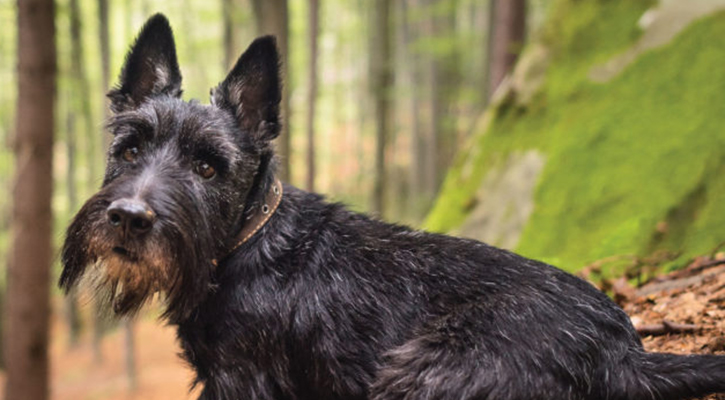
252 91
151 67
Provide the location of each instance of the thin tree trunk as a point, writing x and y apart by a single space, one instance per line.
339 57
410 68
398 194
2 327
409 112
411 75
272 19
238 28
433 133
130 350
129 342
362 97
429 123
80 81
71 301
382 78
99 329
99 324
28 306
446 84
314 13
477 72
507 32
103 29
228 33
79 103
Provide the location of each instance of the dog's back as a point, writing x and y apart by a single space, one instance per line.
342 306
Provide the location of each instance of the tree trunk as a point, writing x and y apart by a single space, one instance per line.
429 123
412 75
79 104
362 97
103 29
382 78
227 33
237 29
71 301
433 152
98 321
314 13
28 306
446 84
128 323
2 327
507 32
81 101
272 19
130 350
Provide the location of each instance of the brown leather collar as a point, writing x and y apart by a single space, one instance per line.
260 216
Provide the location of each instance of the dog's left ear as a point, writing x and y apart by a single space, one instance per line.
252 91
151 67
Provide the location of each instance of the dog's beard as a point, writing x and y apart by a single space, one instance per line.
174 261
125 282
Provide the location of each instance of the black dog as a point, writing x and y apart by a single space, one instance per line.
280 295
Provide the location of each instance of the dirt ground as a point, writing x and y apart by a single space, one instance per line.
162 375
683 312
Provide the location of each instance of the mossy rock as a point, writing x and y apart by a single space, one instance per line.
633 165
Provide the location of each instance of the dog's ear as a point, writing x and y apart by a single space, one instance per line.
150 69
252 91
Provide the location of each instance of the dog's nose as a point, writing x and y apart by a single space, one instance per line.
130 217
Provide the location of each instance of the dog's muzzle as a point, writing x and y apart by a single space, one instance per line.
130 218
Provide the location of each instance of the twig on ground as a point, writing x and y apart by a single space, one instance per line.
664 328
706 265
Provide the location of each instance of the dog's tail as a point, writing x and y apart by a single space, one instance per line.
672 377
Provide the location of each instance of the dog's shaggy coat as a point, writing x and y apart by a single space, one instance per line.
324 303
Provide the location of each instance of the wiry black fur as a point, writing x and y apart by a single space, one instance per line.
324 303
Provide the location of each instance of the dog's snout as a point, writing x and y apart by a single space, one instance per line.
130 217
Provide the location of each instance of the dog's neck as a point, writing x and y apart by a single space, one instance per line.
260 214
257 215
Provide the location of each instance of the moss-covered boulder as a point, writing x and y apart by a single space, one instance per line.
609 139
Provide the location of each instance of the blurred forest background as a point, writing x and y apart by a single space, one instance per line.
585 133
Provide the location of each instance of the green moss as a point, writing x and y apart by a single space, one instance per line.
644 148
513 128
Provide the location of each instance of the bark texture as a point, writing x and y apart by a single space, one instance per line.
314 21
28 308
507 35
382 80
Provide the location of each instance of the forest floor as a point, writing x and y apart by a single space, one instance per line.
162 375
682 312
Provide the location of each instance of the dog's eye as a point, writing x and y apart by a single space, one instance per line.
205 170
130 153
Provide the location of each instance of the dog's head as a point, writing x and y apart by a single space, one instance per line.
179 177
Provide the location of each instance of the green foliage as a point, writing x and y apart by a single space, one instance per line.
645 149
